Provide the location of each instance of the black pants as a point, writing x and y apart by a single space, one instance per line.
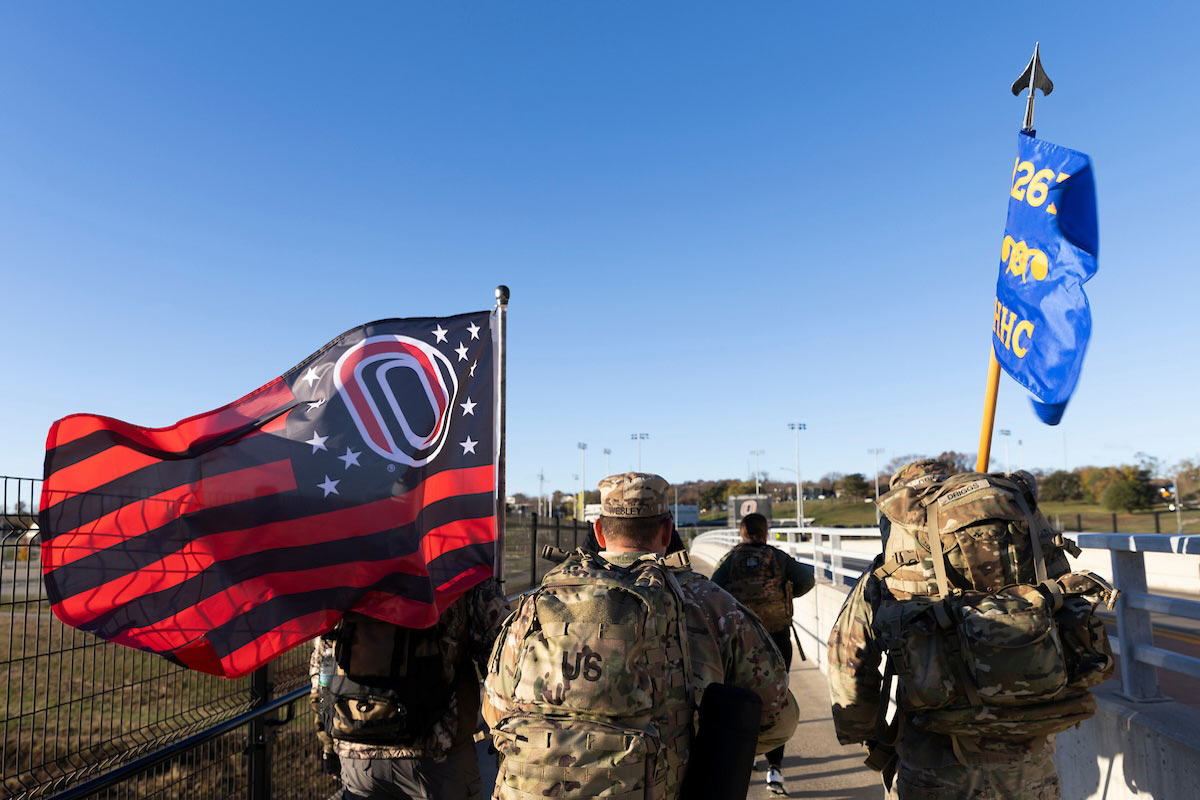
783 640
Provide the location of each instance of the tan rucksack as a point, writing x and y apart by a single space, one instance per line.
595 666
757 579
987 629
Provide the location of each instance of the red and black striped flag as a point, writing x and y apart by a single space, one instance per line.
364 479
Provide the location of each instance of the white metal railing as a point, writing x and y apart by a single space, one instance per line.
822 543
1135 633
1135 637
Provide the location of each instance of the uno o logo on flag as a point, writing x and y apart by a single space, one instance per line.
399 392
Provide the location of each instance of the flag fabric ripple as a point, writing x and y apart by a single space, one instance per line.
362 479
1042 320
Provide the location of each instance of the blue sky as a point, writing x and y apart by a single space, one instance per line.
715 218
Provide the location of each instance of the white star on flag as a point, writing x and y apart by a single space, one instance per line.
316 404
351 458
462 351
468 407
474 329
330 486
468 446
311 377
440 333
317 442
473 366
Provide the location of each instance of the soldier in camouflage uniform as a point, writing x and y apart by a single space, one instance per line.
924 765
549 722
765 579
439 764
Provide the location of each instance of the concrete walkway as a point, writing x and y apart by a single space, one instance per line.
814 764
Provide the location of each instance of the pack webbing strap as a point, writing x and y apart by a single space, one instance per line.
1035 540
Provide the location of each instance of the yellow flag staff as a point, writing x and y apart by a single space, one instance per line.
1034 77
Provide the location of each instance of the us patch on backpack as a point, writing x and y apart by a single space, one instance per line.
595 667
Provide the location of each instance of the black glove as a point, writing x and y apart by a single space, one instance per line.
330 763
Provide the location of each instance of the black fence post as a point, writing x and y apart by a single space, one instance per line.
259 750
1114 522
1079 522
1157 529
533 534
557 532
533 558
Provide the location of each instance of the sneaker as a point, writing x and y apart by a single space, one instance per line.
775 781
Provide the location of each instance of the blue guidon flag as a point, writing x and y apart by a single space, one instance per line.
1042 320
362 479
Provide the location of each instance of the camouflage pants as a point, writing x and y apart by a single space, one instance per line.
456 777
1032 779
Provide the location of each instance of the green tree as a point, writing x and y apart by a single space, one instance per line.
958 462
853 485
1061 486
712 496
741 487
1127 494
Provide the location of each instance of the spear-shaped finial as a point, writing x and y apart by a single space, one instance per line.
1034 77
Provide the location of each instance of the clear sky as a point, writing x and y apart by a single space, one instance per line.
716 218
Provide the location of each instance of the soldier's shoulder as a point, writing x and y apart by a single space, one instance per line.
705 593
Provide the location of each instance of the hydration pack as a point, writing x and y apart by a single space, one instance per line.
757 579
988 631
595 666
389 685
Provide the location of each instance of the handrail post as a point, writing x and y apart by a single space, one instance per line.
835 557
533 534
259 749
1139 682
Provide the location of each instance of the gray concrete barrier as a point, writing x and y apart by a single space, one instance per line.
1128 750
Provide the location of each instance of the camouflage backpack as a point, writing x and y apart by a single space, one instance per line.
757 579
388 685
595 666
986 628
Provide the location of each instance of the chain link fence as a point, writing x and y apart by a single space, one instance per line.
83 717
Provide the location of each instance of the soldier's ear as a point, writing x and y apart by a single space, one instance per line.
599 534
664 534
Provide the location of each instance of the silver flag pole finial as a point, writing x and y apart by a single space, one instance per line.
1034 77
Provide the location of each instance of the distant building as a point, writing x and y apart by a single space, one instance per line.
686 515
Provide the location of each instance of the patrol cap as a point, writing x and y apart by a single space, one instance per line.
920 472
634 494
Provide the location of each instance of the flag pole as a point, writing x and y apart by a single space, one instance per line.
1034 77
502 295
989 413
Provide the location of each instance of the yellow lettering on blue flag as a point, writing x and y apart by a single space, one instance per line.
1042 320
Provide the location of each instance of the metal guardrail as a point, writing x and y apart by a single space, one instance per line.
821 542
1135 637
1134 640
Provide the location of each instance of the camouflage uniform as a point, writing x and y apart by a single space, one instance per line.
468 629
927 766
726 644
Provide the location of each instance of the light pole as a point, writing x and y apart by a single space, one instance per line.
1006 433
582 480
875 451
756 454
541 490
797 427
607 461
639 438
